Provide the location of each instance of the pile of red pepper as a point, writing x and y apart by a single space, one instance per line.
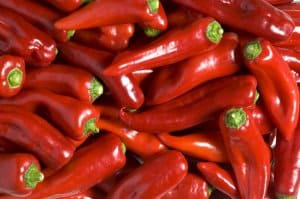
149 99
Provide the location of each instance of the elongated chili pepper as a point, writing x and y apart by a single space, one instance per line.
287 166
203 145
177 44
20 173
191 187
248 153
109 12
65 80
171 81
35 135
261 17
67 5
19 37
12 70
124 88
219 178
75 118
276 84
240 90
157 175
43 17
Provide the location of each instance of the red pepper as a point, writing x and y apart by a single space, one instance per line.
20 173
12 79
175 45
219 178
249 155
124 88
67 5
254 16
21 38
109 12
75 118
191 187
194 107
35 135
197 144
157 176
261 119
293 39
291 57
92 193
276 84
65 80
174 80
182 16
39 15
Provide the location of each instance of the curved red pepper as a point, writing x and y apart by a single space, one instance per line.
20 173
13 75
175 45
67 5
124 88
19 37
197 144
65 80
276 84
249 155
254 16
157 175
172 81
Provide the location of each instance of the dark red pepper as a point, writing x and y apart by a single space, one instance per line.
67 5
182 16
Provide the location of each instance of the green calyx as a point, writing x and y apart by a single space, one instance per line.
252 50
279 196
151 32
96 89
85 1
33 176
235 118
153 5
214 32
70 34
123 147
90 126
257 95
15 78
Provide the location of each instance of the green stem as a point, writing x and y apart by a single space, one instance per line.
96 89
90 126
235 118
252 50
279 196
214 32
70 34
151 32
33 176
153 5
85 1
123 147
15 78
257 95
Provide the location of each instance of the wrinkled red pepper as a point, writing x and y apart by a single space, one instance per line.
67 5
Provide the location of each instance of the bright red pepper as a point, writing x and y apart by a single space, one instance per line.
20 173
65 80
157 176
276 84
261 119
174 80
294 39
124 88
67 5
13 75
21 38
175 45
75 118
254 16
109 12
249 155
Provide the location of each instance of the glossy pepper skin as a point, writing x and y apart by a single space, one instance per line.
65 80
13 75
249 155
219 178
39 15
36 135
109 12
75 118
293 39
191 187
158 175
291 57
124 88
172 81
261 118
21 38
201 145
276 84
175 45
20 173
261 17
191 109
67 5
